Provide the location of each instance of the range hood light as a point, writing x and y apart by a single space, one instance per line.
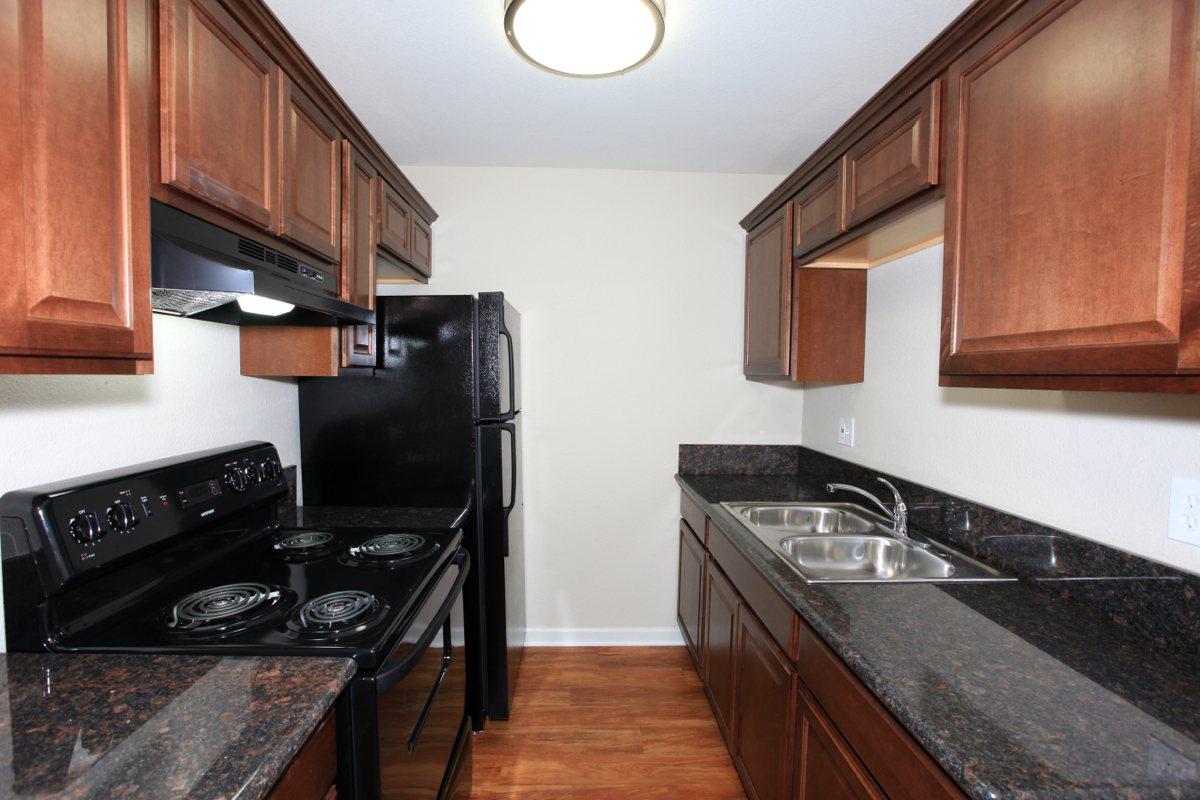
254 304
585 38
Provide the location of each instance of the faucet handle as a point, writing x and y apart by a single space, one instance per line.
895 492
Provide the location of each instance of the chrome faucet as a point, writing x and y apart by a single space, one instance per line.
898 512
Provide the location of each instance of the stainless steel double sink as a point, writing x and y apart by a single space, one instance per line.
845 543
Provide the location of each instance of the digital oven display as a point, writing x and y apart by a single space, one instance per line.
198 493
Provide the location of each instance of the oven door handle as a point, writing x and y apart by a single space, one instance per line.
392 674
437 685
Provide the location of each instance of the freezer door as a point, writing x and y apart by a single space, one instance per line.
498 327
500 512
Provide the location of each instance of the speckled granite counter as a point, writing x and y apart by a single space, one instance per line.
367 517
1015 692
130 726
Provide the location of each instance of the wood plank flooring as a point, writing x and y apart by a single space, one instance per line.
601 723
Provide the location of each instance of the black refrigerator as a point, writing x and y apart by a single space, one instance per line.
437 424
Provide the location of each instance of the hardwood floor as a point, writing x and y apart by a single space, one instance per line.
593 723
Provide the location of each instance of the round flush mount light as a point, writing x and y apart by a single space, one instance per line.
585 38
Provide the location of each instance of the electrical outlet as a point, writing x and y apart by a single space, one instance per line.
1184 523
846 431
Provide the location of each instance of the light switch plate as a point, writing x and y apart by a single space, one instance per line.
846 431
1184 523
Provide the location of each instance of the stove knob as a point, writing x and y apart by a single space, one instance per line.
235 480
121 517
86 528
270 469
253 473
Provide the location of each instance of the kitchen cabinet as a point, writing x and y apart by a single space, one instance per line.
768 313
896 160
818 215
719 638
395 223
1071 250
311 774
361 183
690 604
311 153
826 767
798 722
218 91
422 246
764 706
75 198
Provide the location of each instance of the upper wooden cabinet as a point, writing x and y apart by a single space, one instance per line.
358 253
311 153
218 90
768 300
422 247
74 197
1069 260
896 160
395 223
818 214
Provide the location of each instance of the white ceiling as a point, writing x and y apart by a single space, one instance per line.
739 85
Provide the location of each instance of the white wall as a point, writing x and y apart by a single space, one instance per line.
58 427
1095 464
629 286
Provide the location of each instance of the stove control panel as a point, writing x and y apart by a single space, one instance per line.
110 516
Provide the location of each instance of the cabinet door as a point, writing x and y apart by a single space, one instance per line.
826 768
422 246
764 706
219 120
73 120
896 160
818 210
829 324
359 180
311 168
1069 131
690 604
395 223
768 319
718 640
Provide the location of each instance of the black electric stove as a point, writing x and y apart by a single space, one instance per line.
185 556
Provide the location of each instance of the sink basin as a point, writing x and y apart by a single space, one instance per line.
846 543
862 558
806 519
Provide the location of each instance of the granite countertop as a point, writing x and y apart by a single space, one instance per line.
371 517
1016 692
143 726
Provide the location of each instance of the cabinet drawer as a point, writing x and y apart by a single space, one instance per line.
895 160
901 766
696 519
817 214
311 775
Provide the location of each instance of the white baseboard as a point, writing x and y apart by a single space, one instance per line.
602 637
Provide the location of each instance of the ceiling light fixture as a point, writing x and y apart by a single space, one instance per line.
585 38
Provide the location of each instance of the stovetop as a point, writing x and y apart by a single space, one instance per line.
347 591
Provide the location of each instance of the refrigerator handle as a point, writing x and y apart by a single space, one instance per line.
511 429
512 377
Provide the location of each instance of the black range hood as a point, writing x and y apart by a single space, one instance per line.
200 270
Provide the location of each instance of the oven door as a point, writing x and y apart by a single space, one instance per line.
419 701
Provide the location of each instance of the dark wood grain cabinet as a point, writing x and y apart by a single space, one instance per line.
395 217
798 723
311 171
1072 258
690 601
74 197
311 774
360 182
721 605
422 246
819 215
219 123
764 707
768 300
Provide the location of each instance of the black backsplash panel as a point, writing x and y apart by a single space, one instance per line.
1160 601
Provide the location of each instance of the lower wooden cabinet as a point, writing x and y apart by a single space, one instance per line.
764 706
312 774
721 606
690 605
798 723
825 767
